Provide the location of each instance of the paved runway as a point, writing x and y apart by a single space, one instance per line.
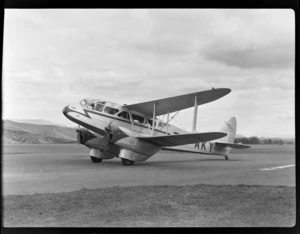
52 168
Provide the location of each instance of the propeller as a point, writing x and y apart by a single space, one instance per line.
115 132
110 131
108 128
78 135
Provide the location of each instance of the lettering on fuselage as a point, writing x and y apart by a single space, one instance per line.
211 146
203 145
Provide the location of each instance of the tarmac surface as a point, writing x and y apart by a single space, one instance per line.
54 168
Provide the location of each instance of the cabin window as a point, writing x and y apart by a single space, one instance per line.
161 124
151 122
110 110
137 118
99 107
124 114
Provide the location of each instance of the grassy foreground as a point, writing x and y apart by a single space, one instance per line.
156 206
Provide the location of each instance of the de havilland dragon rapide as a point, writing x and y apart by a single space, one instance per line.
133 132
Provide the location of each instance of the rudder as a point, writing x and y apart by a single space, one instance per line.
228 127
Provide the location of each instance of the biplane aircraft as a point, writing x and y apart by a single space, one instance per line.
134 133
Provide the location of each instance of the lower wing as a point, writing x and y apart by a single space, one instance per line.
232 145
217 145
188 149
182 139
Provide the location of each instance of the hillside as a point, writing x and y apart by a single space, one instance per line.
15 133
37 121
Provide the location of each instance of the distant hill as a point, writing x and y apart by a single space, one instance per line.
16 133
37 121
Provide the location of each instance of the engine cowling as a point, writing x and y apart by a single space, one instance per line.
102 148
134 149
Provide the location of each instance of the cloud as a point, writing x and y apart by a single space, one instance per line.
286 115
267 57
136 55
165 47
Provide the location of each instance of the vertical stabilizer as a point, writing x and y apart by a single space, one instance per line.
228 127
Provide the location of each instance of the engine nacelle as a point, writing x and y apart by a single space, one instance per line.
99 154
134 149
84 135
102 148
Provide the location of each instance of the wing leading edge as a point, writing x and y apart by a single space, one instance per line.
172 104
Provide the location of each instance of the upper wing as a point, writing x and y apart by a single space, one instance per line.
183 139
171 104
232 145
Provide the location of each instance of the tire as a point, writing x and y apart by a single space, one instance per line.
96 160
226 157
127 162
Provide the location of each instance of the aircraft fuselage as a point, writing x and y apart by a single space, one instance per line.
104 119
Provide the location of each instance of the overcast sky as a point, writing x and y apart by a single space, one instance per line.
55 57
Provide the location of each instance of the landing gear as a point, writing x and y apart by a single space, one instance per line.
127 162
96 160
226 157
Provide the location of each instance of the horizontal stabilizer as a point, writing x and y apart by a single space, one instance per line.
182 139
232 145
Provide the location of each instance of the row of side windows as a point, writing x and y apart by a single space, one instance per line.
107 109
125 114
135 118
110 110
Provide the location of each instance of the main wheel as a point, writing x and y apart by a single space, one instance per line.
226 157
127 162
96 160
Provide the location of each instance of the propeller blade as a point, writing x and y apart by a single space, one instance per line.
78 137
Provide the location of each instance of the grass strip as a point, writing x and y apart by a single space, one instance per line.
156 206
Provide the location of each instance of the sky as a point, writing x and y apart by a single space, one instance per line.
55 57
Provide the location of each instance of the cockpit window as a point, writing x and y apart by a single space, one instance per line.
83 102
87 103
137 118
110 110
124 114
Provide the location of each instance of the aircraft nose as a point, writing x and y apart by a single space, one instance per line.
65 110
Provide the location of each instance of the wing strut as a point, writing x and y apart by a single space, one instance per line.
168 122
195 114
154 116
131 120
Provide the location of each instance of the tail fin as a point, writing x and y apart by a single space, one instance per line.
225 144
228 127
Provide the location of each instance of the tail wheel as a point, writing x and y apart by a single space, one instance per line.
226 157
127 162
96 160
